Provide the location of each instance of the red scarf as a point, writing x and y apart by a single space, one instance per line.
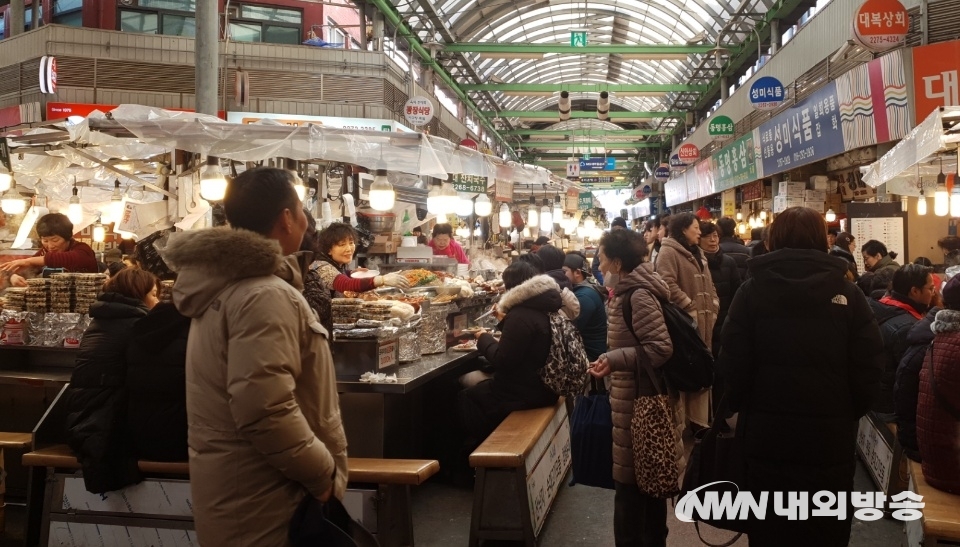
902 305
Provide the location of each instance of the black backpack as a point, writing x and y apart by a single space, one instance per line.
690 368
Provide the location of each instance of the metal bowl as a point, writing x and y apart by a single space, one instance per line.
425 292
380 222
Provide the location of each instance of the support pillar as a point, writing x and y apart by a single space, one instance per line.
774 36
18 17
724 88
362 9
378 31
206 56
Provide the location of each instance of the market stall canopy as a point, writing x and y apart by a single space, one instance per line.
938 133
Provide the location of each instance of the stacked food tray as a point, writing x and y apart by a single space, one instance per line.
38 295
375 311
345 311
86 287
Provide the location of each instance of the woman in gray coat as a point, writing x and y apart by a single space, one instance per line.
638 519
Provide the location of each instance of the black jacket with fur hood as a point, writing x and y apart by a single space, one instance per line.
525 343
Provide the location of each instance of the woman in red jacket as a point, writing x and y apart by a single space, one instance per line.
59 250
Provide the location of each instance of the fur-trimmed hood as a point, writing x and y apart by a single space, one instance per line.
946 321
540 292
207 261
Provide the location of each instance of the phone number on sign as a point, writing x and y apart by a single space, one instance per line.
807 152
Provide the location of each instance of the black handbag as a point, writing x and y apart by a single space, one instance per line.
591 439
319 524
717 456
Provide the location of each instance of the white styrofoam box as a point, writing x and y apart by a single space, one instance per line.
817 205
82 534
814 195
818 182
787 187
151 497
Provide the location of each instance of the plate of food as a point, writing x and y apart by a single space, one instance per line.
364 274
466 346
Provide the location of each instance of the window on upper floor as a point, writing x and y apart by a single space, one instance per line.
169 17
253 23
68 12
248 22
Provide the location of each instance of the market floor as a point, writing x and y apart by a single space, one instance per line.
580 516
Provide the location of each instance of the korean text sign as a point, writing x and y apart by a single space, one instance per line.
808 132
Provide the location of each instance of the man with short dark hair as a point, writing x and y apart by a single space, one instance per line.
540 242
59 250
592 321
264 426
731 244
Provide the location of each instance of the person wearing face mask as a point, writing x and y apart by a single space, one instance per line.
682 265
59 250
96 400
336 245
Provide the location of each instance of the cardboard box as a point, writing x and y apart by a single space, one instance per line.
816 205
833 201
818 182
814 195
787 187
383 248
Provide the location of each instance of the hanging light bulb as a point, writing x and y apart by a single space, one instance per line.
464 205
463 232
922 203
449 199
955 200
941 199
533 216
114 210
482 206
505 217
741 228
5 179
442 219
546 216
739 216
99 232
382 195
13 202
435 200
557 209
904 203
830 216
526 231
74 209
213 185
763 215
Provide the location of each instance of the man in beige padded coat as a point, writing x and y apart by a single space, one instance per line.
262 406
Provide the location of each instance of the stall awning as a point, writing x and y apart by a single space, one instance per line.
939 133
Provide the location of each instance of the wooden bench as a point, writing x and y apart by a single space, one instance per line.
161 503
940 524
14 441
520 467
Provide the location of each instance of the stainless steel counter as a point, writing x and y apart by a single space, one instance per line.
411 375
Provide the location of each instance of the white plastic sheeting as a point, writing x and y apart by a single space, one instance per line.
938 133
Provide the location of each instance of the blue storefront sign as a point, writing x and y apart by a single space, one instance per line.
662 172
676 162
598 164
767 93
806 133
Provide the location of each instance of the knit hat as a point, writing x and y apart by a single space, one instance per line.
576 262
951 293
619 221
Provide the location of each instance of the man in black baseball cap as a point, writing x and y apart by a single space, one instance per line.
592 321
540 242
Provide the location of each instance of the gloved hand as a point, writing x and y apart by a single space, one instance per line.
394 280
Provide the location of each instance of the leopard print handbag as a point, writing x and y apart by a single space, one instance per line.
656 460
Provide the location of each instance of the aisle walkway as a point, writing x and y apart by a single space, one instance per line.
584 516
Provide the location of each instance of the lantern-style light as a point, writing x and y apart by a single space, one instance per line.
382 195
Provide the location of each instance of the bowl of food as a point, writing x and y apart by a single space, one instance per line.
448 290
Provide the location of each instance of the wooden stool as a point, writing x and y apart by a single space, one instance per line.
18 441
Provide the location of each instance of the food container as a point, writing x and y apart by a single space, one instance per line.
345 310
353 357
448 290
410 349
434 327
380 222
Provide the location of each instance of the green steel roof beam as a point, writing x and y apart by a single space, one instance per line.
616 133
389 12
589 49
578 114
586 88
551 145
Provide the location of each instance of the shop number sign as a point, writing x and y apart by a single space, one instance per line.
689 153
721 128
585 201
676 163
880 25
662 173
470 184
767 93
418 111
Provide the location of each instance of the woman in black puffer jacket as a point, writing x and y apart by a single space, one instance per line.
96 400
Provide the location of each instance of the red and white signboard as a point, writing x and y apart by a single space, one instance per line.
688 153
936 77
48 74
880 25
467 142
418 111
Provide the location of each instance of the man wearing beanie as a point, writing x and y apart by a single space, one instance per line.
938 411
592 321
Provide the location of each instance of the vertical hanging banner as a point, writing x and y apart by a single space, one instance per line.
585 201
503 190
873 101
571 204
880 25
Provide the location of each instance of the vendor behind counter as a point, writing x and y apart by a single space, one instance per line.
59 250
444 245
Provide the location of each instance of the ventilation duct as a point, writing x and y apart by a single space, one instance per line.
603 106
564 106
